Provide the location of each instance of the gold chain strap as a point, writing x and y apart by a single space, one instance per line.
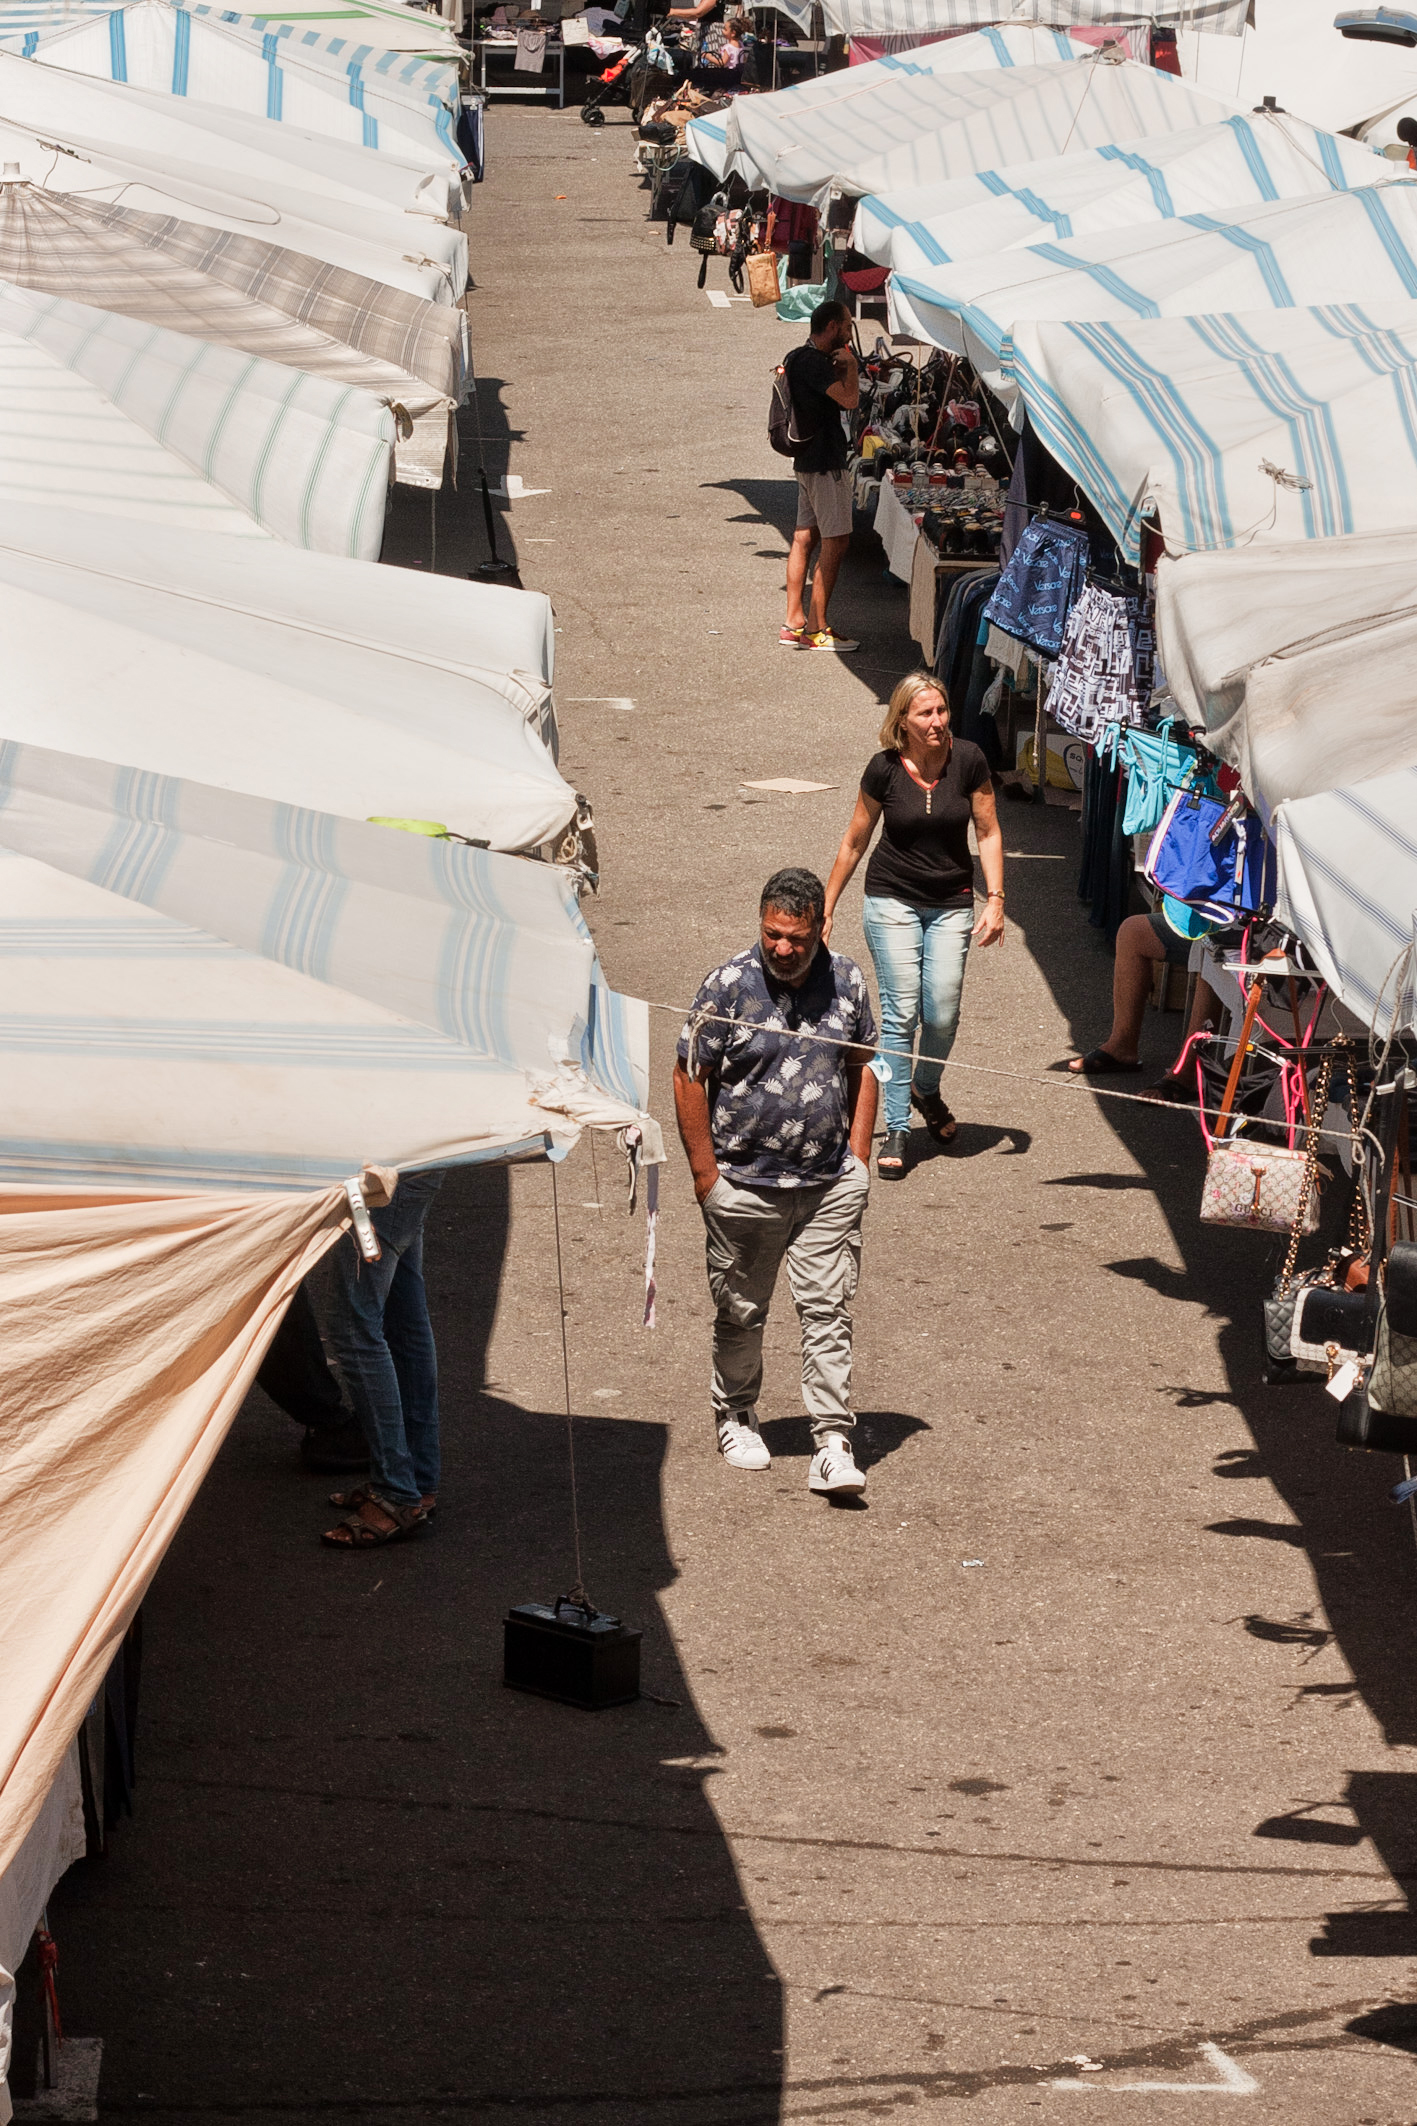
1360 1229
1317 1110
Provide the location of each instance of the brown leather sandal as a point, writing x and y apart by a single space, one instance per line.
374 1523
357 1497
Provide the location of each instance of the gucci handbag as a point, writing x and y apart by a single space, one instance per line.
1266 1187
1392 1385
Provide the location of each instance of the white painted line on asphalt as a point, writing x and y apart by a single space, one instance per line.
1233 2081
789 785
605 701
512 490
717 297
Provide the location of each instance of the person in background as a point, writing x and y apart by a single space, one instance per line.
825 382
379 1330
776 1102
925 787
1143 942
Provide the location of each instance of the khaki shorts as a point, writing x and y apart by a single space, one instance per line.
824 504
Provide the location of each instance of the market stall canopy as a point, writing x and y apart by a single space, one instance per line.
1261 647
916 128
1238 430
207 989
921 18
238 292
106 415
382 25
171 51
1293 52
1348 247
1348 888
310 680
1210 169
60 106
707 138
233 999
420 256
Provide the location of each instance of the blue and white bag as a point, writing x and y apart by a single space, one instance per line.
1213 862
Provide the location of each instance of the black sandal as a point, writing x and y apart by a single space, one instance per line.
1100 1063
896 1149
936 1116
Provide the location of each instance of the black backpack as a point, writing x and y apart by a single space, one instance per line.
782 415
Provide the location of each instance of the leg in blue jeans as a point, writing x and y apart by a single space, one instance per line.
947 935
383 1339
919 956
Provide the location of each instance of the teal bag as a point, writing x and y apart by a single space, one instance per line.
1157 767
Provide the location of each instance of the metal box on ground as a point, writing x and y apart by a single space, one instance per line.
571 1652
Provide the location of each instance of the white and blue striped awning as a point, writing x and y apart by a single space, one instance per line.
1358 246
975 53
910 126
1236 429
924 18
1212 169
198 53
1348 888
206 989
109 416
392 28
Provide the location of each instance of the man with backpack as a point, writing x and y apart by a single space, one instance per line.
816 385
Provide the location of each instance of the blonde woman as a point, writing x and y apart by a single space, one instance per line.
924 786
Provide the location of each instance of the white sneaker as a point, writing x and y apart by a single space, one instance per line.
741 1444
834 1467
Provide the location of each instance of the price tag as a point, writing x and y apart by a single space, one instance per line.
1344 1381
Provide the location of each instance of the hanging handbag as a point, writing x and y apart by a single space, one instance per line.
1279 1307
761 269
1261 1186
1157 767
1392 1385
1215 857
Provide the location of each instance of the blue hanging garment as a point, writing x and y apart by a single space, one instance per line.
1042 583
1157 766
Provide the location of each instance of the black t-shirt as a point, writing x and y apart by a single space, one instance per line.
809 372
923 854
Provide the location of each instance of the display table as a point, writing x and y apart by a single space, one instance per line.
486 49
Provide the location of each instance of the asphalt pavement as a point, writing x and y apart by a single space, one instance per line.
1072 1774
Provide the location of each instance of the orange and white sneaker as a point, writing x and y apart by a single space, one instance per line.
828 639
790 638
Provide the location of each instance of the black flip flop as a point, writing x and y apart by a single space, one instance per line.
1101 1063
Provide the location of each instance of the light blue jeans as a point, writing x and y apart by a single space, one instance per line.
919 955
382 1337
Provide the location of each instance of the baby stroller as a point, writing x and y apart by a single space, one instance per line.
628 80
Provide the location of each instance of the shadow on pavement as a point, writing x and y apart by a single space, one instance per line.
878 1433
366 1881
444 531
1360 1550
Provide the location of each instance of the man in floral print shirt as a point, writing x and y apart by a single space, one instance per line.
776 1104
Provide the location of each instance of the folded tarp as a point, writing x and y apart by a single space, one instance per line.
1236 430
886 18
106 415
336 685
422 257
238 292
1211 169
1348 247
251 149
1292 51
1348 888
1298 662
153 45
707 138
912 127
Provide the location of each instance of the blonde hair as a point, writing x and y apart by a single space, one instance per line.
907 690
